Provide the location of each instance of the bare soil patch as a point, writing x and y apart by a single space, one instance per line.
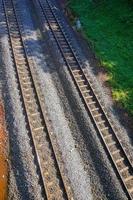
3 156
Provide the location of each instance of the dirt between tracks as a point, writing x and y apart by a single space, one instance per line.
3 156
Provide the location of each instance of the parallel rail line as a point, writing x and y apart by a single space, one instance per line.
55 183
109 138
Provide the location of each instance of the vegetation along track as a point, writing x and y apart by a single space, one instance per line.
55 184
111 142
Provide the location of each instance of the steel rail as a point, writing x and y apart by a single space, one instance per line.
51 19
46 123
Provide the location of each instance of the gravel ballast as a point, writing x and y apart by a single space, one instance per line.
23 179
101 163
87 165
72 160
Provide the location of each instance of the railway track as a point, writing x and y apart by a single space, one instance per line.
55 184
109 138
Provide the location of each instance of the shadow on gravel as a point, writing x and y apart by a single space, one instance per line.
15 156
14 147
89 137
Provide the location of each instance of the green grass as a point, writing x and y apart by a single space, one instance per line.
108 25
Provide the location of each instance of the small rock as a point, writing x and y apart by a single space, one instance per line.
78 24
